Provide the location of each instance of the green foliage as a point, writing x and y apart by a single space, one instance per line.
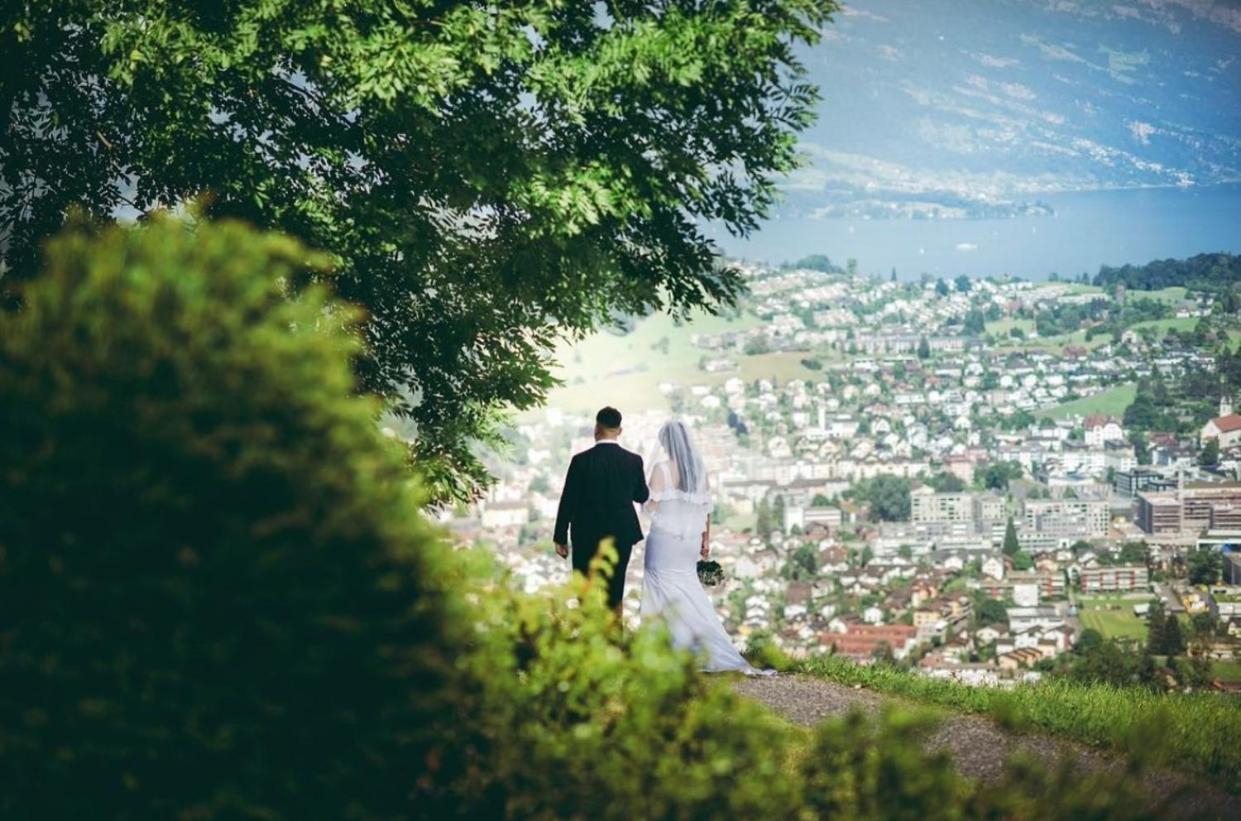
888 776
1192 732
219 592
1204 272
997 475
946 483
487 177
762 651
803 564
1173 641
1209 455
990 611
975 322
1156 622
577 718
1111 662
1204 566
887 496
1011 546
818 262
924 347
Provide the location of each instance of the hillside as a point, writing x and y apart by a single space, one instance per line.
979 745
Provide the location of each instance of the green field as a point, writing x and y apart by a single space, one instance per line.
1162 326
606 367
1114 624
1172 295
1112 402
1226 670
1001 327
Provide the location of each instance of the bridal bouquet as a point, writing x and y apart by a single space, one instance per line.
710 573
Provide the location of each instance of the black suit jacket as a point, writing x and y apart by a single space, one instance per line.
598 498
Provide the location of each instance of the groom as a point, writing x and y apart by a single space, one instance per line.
600 490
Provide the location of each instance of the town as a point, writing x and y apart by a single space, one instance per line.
970 478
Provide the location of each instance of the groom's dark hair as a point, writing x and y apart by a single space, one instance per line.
609 418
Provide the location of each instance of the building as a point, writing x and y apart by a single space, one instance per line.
1158 512
861 641
1192 509
1046 617
1224 602
928 507
1114 579
1132 482
925 506
1226 427
1067 518
1102 429
1048 583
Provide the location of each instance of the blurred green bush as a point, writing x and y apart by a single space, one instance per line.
218 596
216 586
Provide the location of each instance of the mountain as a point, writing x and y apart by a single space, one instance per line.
975 108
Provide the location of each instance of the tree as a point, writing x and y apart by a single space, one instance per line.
1173 641
997 475
963 284
1111 663
1011 544
243 543
924 349
1134 553
762 522
1089 640
947 483
990 611
803 564
888 497
1204 565
487 177
1022 561
777 512
818 262
1209 455
975 322
1156 629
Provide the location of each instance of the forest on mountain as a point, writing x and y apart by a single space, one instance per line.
1217 273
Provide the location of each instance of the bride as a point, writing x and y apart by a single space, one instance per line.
680 508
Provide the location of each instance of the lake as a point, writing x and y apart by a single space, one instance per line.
1089 229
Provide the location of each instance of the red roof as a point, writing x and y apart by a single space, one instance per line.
1227 424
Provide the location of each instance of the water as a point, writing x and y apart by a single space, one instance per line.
1089 229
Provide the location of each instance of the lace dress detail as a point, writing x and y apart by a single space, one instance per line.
677 512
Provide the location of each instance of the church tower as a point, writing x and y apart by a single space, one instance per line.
1225 405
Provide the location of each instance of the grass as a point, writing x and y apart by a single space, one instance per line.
606 367
1111 402
1001 327
1226 670
1114 624
1193 732
1162 326
1172 295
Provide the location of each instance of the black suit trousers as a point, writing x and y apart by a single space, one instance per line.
586 549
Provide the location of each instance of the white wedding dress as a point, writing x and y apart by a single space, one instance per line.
671 591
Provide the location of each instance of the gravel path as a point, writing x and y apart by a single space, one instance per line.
978 746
